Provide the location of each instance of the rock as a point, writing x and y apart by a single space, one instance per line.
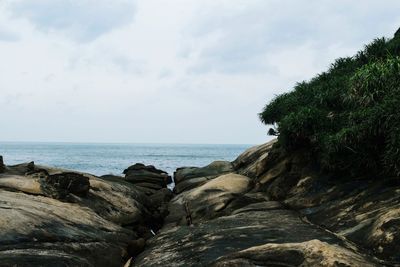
307 254
190 184
259 206
60 185
363 211
216 168
160 197
2 166
276 215
149 185
267 208
110 196
24 184
140 173
30 167
253 162
140 166
366 213
47 232
232 183
203 243
208 200
118 201
21 169
97 229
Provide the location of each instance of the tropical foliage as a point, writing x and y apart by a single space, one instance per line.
348 116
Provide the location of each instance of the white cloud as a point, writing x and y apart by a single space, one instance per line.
83 20
166 71
241 37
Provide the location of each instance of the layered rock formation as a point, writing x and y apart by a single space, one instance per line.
263 209
54 217
268 209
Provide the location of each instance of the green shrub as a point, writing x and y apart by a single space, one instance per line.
347 116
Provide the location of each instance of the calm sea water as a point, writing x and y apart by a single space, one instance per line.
102 159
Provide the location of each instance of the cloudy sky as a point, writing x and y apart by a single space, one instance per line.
172 71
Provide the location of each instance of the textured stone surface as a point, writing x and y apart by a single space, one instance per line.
205 242
62 184
308 253
277 210
42 231
264 209
147 176
213 169
55 217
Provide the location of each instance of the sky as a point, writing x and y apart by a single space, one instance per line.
176 71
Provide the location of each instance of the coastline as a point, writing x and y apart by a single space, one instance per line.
262 208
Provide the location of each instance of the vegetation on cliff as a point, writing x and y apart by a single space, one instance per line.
349 115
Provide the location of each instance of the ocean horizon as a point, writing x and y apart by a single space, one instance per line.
113 158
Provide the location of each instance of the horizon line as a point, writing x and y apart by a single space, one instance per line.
121 143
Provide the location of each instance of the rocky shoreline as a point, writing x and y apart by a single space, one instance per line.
263 209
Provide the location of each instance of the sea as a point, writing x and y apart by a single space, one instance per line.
101 159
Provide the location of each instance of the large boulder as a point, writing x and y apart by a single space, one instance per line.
254 161
21 169
67 218
190 177
42 231
209 200
214 169
362 210
147 176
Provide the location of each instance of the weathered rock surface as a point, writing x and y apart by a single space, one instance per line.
55 217
266 208
205 242
308 253
147 177
363 211
190 177
41 231
209 200
270 209
62 184
254 161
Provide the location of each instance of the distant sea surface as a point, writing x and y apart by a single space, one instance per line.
100 159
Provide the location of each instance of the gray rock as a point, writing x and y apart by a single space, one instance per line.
47 232
254 161
307 254
61 185
263 219
203 243
190 184
140 173
216 168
